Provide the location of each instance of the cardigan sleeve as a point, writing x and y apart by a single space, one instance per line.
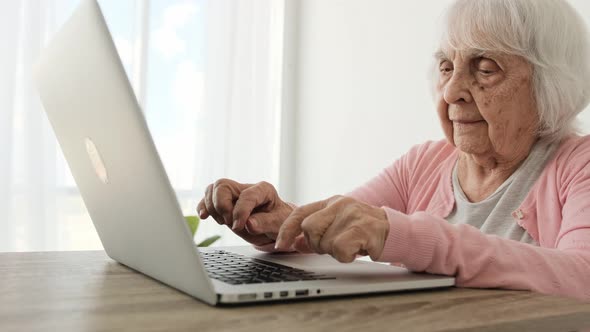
410 180
423 242
390 187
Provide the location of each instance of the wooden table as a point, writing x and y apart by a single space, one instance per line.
87 291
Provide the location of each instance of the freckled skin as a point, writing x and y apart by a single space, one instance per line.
487 110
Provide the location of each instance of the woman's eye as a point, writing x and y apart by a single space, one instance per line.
486 72
487 67
445 67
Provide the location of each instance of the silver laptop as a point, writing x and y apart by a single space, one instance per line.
105 139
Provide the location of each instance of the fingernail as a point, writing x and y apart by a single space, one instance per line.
235 225
278 244
201 213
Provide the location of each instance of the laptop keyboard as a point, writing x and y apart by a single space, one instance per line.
237 269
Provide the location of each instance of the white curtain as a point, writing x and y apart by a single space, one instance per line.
208 74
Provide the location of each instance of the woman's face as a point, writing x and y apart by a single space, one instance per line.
485 103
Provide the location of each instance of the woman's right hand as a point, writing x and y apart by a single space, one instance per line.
253 211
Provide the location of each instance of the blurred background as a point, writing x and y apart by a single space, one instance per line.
314 96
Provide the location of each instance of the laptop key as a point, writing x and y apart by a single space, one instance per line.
236 269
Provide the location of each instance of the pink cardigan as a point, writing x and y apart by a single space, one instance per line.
416 193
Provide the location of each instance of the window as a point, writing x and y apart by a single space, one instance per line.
207 74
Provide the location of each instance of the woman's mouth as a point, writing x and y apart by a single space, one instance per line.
467 122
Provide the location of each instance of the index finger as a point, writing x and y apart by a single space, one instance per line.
224 193
249 199
291 227
202 209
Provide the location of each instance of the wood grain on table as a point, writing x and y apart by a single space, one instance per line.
87 291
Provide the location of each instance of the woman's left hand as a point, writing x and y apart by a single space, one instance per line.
339 226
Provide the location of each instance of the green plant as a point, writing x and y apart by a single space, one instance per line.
193 224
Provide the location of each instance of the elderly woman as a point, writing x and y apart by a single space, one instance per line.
503 201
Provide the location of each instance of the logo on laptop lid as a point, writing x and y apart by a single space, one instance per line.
96 161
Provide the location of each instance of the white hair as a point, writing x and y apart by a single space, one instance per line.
549 34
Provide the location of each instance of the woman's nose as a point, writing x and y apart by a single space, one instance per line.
456 90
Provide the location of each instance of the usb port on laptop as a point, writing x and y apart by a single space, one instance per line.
301 292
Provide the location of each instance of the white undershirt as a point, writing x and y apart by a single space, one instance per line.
493 215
